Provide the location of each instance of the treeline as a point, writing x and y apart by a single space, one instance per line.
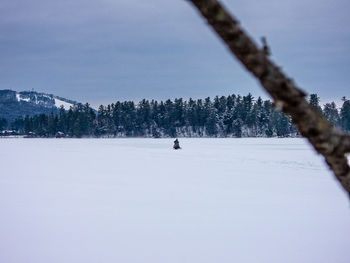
231 116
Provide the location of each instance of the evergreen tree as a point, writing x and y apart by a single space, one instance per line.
62 125
28 124
330 111
224 116
52 124
18 124
282 124
3 124
268 111
212 119
345 116
315 101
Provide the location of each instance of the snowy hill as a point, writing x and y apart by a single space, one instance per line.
14 104
46 100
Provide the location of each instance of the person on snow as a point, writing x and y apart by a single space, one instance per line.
176 144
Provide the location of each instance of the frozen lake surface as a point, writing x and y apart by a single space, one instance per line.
137 200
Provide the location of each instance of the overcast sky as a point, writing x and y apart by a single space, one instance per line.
107 50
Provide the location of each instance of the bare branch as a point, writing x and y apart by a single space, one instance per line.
346 143
325 138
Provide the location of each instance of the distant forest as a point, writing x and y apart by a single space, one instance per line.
231 116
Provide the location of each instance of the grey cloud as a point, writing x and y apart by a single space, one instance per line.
98 51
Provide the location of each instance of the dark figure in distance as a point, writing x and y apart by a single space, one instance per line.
176 145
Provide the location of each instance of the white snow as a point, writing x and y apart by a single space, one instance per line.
59 103
19 98
137 200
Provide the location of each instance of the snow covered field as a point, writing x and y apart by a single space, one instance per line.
137 200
